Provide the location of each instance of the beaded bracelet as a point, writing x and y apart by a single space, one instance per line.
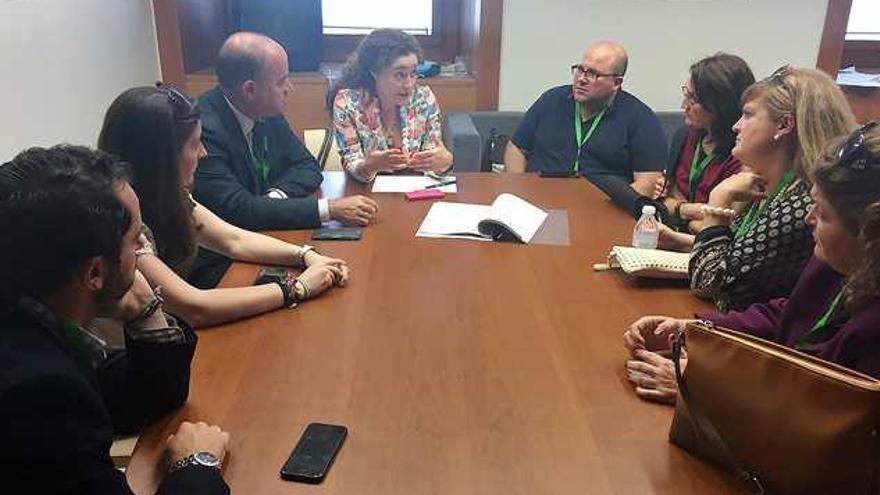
301 288
717 211
287 291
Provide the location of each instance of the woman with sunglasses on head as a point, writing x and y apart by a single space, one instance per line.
754 242
834 310
701 157
157 132
383 120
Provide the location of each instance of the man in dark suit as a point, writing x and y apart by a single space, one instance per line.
64 392
257 174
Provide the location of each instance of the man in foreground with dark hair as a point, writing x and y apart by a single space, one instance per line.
258 175
70 226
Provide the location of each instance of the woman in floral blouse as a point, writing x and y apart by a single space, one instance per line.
384 121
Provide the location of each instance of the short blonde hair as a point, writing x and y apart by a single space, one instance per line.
819 108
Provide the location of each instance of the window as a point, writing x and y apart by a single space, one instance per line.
864 21
359 17
434 22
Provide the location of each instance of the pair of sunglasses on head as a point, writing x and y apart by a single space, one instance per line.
854 154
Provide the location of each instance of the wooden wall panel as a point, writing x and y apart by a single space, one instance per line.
305 104
168 38
831 46
865 102
481 47
203 28
454 93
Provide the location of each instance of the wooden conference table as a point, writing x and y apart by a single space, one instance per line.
459 367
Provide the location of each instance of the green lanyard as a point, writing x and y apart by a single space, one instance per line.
579 131
697 169
821 323
261 156
755 211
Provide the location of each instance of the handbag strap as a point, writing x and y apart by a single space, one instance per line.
705 428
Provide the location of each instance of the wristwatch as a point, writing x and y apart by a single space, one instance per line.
205 459
302 251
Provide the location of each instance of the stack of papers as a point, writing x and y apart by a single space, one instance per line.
851 77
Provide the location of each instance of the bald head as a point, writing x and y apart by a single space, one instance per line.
608 54
244 56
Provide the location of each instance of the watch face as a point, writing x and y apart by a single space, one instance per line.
207 459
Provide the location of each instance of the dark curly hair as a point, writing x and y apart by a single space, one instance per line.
719 82
854 193
376 51
58 208
147 128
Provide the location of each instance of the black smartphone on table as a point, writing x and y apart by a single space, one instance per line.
270 275
558 174
313 454
337 234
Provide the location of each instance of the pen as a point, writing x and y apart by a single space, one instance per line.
434 175
440 184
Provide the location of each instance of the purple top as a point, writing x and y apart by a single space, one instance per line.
718 169
853 342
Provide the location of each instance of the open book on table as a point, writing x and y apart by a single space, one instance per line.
508 218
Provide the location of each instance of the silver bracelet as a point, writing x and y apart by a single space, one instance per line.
149 309
302 252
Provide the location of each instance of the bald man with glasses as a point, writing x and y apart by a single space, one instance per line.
593 128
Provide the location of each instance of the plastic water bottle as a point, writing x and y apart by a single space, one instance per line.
647 230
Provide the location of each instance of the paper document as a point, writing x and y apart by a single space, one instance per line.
409 183
507 218
851 77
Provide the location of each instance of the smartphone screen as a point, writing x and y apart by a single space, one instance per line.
313 454
558 174
337 234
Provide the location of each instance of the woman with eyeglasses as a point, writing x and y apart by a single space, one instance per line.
157 131
700 157
834 310
383 120
754 243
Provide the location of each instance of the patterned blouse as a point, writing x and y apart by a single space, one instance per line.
359 130
763 263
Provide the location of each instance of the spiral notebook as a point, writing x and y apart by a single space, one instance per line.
648 263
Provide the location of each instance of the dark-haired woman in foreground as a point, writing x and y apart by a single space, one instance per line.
157 131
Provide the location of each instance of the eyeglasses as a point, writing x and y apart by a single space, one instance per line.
854 155
580 71
689 96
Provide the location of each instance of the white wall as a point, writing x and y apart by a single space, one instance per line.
63 63
541 39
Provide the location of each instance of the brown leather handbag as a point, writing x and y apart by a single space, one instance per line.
782 421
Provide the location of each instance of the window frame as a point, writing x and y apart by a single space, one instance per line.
441 45
861 53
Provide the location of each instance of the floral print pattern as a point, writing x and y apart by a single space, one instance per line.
359 129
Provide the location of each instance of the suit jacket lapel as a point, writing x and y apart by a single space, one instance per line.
238 146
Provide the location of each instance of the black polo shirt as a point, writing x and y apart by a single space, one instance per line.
628 138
